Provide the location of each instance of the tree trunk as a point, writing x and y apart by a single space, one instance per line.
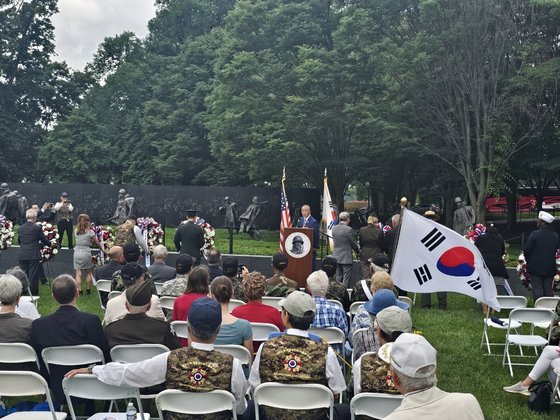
511 197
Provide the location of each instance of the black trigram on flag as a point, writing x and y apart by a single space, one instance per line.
422 274
475 284
433 239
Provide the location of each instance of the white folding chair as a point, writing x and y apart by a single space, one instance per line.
88 386
132 353
373 404
506 302
293 397
181 329
234 303
239 352
332 335
195 403
354 307
167 302
19 383
349 291
272 301
33 299
158 288
18 353
525 315
82 354
262 330
114 294
546 303
406 300
102 286
335 302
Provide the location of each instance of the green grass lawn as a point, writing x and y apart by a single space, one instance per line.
462 363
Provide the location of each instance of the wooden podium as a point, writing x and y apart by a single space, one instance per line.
298 246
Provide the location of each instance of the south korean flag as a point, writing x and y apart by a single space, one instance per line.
433 258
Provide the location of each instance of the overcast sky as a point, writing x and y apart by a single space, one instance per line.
81 25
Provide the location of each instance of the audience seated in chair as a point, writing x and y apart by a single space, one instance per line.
159 270
24 308
197 368
293 357
413 370
336 289
361 291
131 273
178 285
279 285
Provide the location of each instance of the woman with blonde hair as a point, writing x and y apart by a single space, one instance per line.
82 251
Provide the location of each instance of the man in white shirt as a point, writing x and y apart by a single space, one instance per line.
197 368
413 369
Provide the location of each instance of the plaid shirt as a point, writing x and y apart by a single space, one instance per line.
330 315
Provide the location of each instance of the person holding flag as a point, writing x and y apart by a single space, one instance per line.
430 257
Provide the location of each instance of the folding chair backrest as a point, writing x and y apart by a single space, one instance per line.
114 294
531 315
180 328
195 403
88 386
272 301
159 286
167 302
18 383
293 397
406 300
132 353
103 285
335 302
239 352
512 302
547 303
18 353
375 405
83 354
234 303
262 330
331 335
354 307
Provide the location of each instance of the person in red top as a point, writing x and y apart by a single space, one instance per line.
197 287
254 310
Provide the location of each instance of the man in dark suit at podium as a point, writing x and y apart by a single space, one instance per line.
31 239
308 221
189 238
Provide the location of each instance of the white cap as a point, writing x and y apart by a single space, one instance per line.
546 217
410 353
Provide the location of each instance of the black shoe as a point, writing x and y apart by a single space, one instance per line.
88 291
43 281
81 293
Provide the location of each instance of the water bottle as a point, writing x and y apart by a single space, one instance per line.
130 412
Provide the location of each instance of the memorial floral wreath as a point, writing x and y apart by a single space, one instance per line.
209 234
51 233
154 231
106 237
6 233
473 234
524 275
384 228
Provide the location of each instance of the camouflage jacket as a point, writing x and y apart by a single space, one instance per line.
176 286
376 375
280 286
337 291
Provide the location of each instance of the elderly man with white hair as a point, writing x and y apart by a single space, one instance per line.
31 239
159 270
14 328
344 239
328 314
413 370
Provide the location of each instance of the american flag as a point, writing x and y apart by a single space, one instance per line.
285 220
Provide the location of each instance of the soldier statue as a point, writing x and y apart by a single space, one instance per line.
8 203
23 205
248 218
463 218
121 212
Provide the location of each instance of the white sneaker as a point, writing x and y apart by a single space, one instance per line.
518 389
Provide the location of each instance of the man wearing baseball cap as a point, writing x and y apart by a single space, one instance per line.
279 285
197 368
178 285
540 254
296 357
413 370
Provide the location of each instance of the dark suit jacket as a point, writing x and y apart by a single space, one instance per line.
313 224
492 248
106 271
540 252
66 327
161 272
389 243
371 242
189 238
140 328
46 216
30 239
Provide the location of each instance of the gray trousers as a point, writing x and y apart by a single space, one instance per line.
344 274
541 286
427 300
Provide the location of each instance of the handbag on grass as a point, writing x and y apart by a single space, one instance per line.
541 397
